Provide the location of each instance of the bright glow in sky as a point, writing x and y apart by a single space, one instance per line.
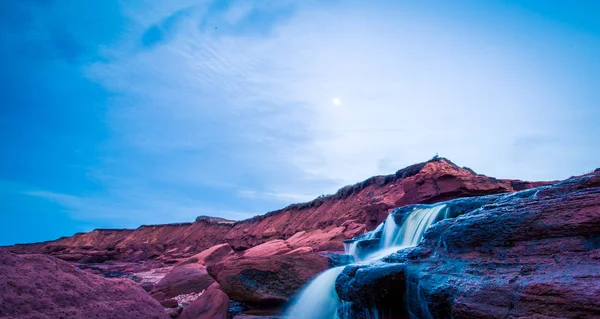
116 114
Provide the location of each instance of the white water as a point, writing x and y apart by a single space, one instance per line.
319 299
352 248
411 231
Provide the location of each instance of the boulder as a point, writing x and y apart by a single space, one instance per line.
38 286
270 248
212 304
210 255
266 281
169 303
301 250
183 279
321 239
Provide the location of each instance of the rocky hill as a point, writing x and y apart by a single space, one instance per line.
533 254
322 223
505 249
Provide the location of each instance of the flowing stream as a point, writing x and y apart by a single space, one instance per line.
319 300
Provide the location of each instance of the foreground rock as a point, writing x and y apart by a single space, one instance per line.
184 279
212 304
533 254
267 280
37 286
321 224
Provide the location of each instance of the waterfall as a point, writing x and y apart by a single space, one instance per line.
352 248
411 231
319 300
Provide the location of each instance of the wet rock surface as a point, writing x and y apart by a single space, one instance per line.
532 254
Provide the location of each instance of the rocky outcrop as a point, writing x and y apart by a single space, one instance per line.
531 254
321 224
210 255
212 304
267 280
270 248
37 286
184 279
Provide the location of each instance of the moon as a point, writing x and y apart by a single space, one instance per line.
336 101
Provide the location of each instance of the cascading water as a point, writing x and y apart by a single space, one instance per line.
411 231
352 248
319 299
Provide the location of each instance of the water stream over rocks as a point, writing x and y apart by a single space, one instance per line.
319 300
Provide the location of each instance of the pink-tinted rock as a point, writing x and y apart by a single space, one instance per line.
210 255
184 280
366 204
533 254
301 250
147 286
158 295
169 303
317 238
266 281
212 304
174 313
37 286
270 248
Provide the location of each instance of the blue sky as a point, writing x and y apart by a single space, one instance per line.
121 113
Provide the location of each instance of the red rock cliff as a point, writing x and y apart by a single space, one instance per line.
322 223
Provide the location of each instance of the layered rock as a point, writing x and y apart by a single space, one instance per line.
267 280
532 254
212 304
37 286
321 224
184 279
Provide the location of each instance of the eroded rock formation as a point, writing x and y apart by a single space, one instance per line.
321 224
532 254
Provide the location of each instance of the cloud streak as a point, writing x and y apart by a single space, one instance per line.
225 107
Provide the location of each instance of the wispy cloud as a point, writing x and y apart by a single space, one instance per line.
223 101
225 107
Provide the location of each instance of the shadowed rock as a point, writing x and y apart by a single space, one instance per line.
532 254
184 279
212 304
266 280
37 286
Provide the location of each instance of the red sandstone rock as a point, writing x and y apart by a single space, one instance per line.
183 279
169 303
301 250
37 286
317 237
210 255
366 204
269 280
533 254
270 248
212 304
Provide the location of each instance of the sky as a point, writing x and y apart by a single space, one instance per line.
115 114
